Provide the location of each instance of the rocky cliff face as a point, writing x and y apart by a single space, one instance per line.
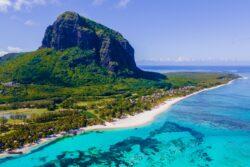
71 30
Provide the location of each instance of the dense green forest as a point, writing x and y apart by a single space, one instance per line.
72 67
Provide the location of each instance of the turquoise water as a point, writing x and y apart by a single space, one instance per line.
208 129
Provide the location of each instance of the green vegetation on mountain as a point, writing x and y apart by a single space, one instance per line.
9 56
71 67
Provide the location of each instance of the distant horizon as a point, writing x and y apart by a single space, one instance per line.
195 68
191 63
167 65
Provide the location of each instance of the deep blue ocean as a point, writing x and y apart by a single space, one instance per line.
210 129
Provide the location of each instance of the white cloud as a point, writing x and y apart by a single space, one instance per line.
30 23
19 4
12 49
23 4
118 3
2 53
123 3
98 2
4 5
187 60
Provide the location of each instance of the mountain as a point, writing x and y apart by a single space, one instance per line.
71 30
8 56
75 51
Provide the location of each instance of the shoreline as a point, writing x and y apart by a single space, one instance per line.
137 120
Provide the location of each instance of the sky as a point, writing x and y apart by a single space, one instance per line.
162 32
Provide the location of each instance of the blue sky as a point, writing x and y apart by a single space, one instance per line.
166 32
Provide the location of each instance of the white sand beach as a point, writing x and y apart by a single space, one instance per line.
145 117
128 122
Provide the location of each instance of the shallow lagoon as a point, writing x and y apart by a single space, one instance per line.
208 129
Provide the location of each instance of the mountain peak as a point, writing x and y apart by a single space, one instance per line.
72 30
68 15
